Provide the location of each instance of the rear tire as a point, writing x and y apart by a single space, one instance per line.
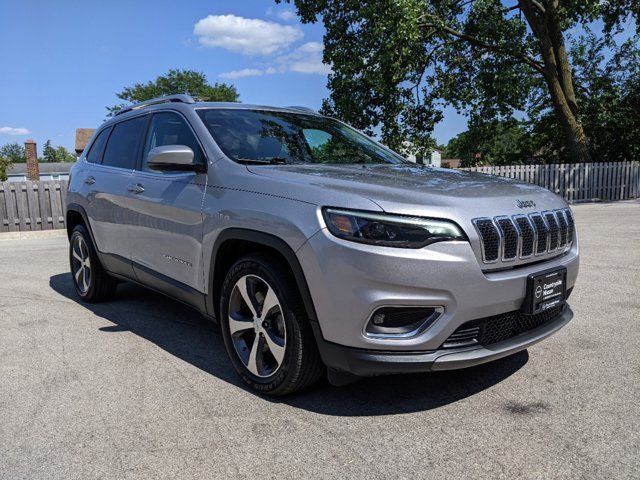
91 282
265 328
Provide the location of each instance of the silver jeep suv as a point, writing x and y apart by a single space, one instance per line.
314 247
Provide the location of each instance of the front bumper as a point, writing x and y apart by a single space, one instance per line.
349 281
365 363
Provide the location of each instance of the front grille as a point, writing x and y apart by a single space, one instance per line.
564 228
542 232
527 235
489 330
521 236
509 236
552 223
490 239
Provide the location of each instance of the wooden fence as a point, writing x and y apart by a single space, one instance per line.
579 181
32 205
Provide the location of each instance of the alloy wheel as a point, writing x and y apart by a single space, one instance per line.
81 264
257 327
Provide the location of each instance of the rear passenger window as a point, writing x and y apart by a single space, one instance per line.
169 128
122 147
95 152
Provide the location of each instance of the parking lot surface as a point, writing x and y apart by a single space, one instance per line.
141 388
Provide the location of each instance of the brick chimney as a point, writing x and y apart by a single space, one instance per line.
31 152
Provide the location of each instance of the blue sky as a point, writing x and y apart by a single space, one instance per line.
63 61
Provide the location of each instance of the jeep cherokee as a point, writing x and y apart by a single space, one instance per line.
316 248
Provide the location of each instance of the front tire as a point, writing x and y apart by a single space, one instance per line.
265 327
91 282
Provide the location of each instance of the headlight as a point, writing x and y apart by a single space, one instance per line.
389 230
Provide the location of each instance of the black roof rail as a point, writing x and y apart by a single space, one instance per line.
180 97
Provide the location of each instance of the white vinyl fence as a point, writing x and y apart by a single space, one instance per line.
578 181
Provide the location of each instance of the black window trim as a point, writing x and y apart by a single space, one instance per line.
93 143
138 147
139 166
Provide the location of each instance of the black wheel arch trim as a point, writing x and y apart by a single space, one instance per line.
74 207
270 241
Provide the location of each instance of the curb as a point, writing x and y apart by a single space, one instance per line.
59 233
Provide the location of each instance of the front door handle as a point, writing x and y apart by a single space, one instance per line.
137 188
89 180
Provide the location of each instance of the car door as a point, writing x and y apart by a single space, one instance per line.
166 233
110 181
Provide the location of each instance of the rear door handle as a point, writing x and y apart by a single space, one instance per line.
89 180
137 188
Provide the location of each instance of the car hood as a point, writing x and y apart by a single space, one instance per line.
411 189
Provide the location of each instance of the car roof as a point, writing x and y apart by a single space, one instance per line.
199 105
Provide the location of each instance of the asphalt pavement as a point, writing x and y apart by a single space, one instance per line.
141 388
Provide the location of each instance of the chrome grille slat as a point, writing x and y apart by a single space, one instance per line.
563 228
552 224
490 239
571 226
542 233
527 235
509 236
523 236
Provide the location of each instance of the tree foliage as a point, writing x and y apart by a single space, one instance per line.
48 152
177 81
14 152
57 154
608 90
396 63
5 164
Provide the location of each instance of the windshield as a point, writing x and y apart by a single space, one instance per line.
261 136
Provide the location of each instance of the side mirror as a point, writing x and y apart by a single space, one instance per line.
173 157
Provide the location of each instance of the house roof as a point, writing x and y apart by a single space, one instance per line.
45 167
83 135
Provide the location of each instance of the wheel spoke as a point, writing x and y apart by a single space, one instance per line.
252 363
87 263
276 346
85 282
239 325
242 286
76 255
78 273
270 301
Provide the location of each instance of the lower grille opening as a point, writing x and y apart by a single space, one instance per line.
497 328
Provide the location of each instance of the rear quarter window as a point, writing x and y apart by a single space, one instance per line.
97 147
123 144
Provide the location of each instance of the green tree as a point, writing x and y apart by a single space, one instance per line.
177 81
396 62
5 164
608 79
48 152
14 152
64 155
496 142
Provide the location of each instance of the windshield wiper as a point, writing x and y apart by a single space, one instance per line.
259 161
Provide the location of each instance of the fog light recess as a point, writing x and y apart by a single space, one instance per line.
401 322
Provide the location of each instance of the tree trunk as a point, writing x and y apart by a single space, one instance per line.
574 133
557 74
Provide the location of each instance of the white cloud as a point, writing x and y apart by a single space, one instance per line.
307 58
286 15
14 131
249 36
247 72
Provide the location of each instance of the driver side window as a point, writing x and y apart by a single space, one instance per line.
168 128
